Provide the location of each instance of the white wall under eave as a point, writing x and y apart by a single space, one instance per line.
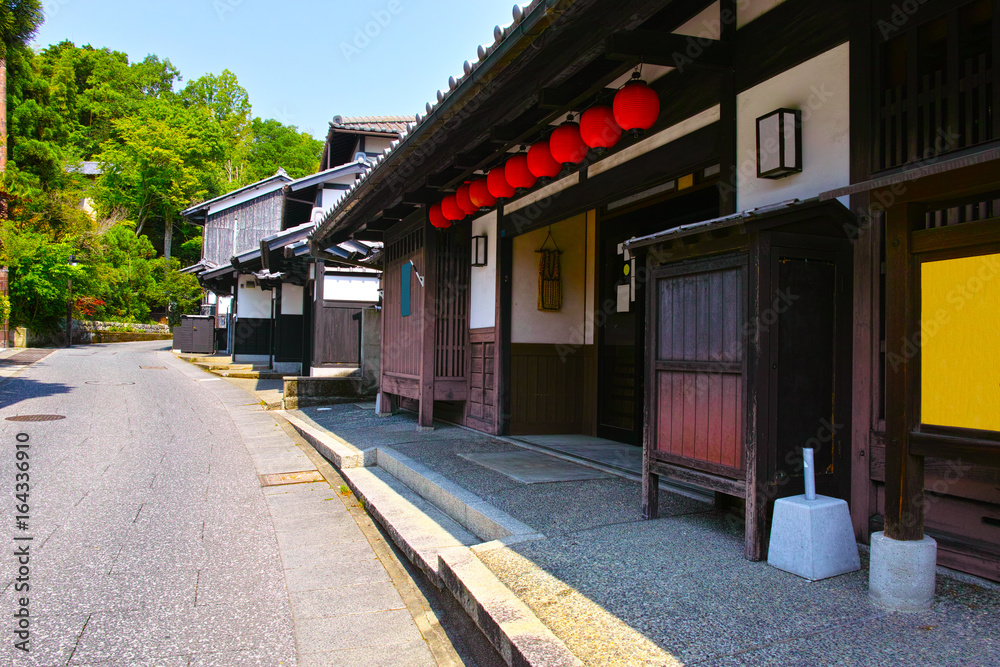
748 10
568 325
483 282
821 89
252 302
350 288
291 299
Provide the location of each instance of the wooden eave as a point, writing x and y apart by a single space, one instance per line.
499 105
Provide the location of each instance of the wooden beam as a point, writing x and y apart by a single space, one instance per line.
904 472
670 49
420 197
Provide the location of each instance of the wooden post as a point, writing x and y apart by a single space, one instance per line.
728 169
756 374
429 315
386 402
650 481
904 473
505 272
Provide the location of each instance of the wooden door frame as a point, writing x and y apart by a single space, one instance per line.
839 252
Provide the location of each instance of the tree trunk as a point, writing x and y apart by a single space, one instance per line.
3 115
168 236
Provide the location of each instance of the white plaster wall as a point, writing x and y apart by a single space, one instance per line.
291 299
748 10
377 144
483 282
821 89
253 302
568 325
345 288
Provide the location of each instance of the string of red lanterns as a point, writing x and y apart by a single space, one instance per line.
635 109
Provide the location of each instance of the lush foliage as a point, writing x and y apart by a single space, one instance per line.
159 147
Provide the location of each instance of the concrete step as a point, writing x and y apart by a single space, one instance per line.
251 375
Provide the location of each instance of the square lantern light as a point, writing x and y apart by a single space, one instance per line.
779 143
479 251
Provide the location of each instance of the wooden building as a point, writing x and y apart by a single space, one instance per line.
719 312
267 308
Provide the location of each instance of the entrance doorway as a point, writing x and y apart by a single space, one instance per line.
809 349
621 314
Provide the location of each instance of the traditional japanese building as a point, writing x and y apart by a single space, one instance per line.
267 307
792 243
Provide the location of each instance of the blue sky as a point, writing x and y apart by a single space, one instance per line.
302 61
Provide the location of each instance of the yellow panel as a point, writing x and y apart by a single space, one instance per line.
960 342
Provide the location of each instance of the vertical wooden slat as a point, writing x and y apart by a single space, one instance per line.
952 79
428 326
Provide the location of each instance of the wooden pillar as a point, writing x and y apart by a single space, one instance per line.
759 492
904 473
429 315
650 503
728 168
505 272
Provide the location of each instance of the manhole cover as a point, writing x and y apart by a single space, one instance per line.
153 368
109 384
278 479
35 418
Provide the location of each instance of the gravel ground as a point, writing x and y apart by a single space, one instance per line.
677 591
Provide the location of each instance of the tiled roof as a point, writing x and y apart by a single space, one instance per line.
387 124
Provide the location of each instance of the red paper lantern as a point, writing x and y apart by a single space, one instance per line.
540 161
637 106
497 183
450 209
464 201
437 217
567 145
517 173
479 193
598 127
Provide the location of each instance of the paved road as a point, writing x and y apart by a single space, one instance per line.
154 542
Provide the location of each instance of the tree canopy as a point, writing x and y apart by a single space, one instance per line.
158 146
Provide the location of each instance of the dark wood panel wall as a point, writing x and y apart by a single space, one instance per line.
452 304
252 220
402 336
481 408
252 335
699 368
288 338
553 389
337 331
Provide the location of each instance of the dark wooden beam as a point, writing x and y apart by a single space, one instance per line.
670 49
421 196
788 35
904 472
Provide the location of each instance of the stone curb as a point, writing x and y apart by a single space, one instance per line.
339 452
475 514
509 624
440 546
418 529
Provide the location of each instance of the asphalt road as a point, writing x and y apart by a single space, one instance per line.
153 541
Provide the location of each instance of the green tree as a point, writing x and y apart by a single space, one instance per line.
229 105
19 19
274 145
163 159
